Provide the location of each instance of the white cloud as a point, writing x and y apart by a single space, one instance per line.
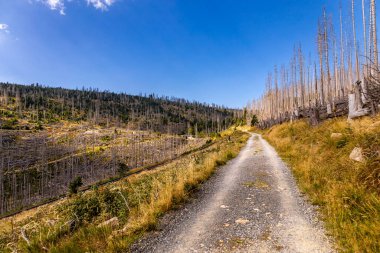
4 27
101 4
58 5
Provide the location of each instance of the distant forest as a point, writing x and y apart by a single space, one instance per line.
50 137
25 107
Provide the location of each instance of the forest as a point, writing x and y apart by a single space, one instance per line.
51 138
42 105
341 79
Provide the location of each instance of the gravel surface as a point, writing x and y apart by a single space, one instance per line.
252 204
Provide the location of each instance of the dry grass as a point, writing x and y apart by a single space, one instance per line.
148 195
346 191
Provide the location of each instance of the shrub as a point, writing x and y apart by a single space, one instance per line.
107 138
9 124
122 169
85 208
230 155
74 185
39 126
254 120
112 203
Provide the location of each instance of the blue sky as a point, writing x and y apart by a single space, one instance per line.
216 51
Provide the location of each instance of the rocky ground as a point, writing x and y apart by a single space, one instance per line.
252 204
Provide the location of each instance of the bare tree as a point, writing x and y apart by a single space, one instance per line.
374 33
357 67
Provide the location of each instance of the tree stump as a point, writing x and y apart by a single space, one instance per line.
314 116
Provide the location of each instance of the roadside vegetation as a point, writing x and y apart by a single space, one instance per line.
347 191
111 217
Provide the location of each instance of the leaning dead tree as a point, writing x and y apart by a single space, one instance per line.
344 80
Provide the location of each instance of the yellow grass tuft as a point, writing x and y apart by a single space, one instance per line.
347 192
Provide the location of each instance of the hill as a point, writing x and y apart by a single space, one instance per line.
50 137
33 106
110 217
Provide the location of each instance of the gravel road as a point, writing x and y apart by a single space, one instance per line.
252 204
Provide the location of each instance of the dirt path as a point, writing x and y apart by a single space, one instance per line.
251 204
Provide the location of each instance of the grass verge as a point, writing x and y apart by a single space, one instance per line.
76 224
346 191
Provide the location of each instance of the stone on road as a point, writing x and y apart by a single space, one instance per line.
252 204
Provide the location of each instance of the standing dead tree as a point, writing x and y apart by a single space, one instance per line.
347 89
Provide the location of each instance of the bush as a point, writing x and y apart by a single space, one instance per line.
74 185
39 126
85 208
215 135
107 138
112 203
9 124
254 120
122 169
230 155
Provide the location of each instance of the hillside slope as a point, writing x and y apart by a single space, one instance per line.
129 207
347 191
51 136
33 106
